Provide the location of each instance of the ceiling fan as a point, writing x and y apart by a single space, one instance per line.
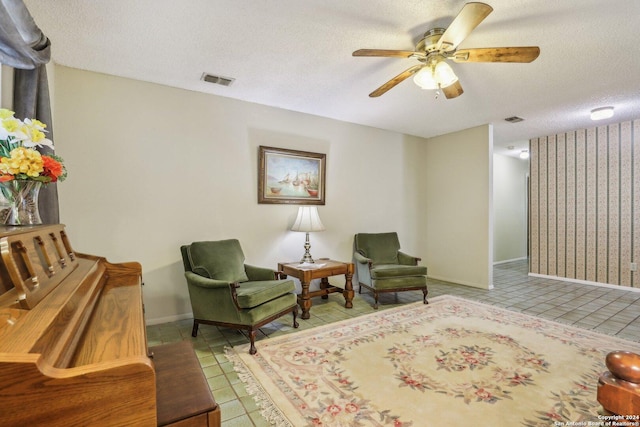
439 44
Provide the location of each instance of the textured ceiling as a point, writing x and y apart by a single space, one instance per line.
296 55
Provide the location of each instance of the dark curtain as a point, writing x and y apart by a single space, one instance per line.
25 48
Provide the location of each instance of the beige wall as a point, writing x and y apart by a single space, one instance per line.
585 198
458 214
153 167
509 208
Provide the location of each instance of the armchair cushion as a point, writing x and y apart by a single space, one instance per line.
381 248
252 294
221 260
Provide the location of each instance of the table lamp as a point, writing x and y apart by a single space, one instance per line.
307 220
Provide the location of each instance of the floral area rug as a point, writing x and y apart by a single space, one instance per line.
452 362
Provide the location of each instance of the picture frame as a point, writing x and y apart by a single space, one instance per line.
291 176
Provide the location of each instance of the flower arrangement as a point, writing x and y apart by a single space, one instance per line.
19 160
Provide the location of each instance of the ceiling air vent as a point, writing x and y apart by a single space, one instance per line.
219 80
514 119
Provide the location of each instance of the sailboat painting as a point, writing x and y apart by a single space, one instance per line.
291 176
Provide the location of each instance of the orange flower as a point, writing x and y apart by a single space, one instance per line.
52 168
4 178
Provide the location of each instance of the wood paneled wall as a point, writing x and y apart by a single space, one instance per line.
585 204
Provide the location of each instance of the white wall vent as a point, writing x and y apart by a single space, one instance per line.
219 80
514 119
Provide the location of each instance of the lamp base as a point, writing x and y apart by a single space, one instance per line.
307 259
307 256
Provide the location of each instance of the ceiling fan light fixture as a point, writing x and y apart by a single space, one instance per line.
601 113
444 74
436 76
425 78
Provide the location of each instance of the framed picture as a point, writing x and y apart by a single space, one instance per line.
290 176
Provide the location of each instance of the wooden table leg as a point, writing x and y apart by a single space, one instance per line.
324 284
348 290
304 300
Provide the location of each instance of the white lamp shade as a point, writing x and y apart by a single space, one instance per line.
307 220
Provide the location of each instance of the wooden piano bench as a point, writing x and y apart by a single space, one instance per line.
182 391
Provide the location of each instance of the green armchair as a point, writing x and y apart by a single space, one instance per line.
224 291
382 267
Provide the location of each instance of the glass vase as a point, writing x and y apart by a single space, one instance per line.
21 206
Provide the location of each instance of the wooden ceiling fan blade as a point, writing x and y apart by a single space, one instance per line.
497 54
395 81
388 53
453 90
471 15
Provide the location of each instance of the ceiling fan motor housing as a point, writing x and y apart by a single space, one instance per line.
428 43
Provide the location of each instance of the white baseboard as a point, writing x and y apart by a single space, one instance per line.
168 319
510 260
585 282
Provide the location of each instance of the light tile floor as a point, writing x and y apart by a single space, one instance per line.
609 311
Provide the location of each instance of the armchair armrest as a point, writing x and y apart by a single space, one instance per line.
361 259
203 291
205 282
259 273
363 268
406 259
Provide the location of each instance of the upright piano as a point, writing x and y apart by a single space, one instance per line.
73 347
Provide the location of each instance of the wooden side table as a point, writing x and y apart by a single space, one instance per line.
329 268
